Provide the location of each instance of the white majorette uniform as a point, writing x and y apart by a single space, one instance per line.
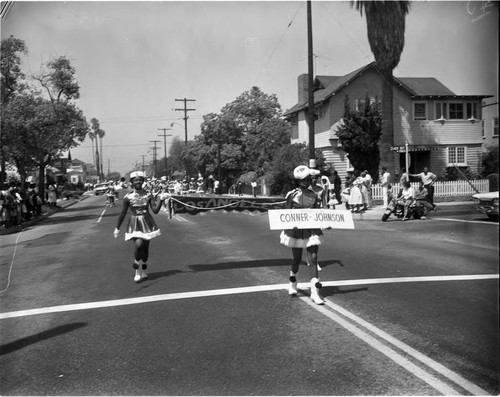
141 224
301 238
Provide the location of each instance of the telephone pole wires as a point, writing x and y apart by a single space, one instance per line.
185 110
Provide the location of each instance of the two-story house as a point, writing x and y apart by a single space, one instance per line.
439 128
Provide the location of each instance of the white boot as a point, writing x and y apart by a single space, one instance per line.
137 276
292 289
143 271
315 286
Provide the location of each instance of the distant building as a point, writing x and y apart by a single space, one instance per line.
441 128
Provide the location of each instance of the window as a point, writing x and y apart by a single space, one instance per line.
419 111
495 126
441 110
471 110
457 156
456 111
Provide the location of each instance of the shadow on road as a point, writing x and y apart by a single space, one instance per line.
30 340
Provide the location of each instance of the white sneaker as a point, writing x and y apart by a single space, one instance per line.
143 274
137 276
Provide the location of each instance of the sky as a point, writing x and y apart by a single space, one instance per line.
135 59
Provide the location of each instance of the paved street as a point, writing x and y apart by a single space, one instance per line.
412 308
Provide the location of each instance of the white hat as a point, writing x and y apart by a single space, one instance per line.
136 174
302 172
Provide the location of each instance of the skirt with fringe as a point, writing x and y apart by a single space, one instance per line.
301 238
142 226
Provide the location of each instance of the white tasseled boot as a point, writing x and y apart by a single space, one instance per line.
292 289
143 271
137 276
315 286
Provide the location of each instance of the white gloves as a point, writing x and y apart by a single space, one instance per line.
116 232
165 196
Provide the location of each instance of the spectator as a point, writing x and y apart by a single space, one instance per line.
428 179
422 207
408 198
384 182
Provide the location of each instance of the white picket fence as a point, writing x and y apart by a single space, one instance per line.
442 189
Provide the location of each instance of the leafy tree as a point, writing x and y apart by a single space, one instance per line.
243 137
280 176
10 82
10 66
359 134
38 128
385 21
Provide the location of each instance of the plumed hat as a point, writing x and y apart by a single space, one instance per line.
137 174
303 171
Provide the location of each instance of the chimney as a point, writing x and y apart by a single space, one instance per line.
303 88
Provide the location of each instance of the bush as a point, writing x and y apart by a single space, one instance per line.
490 161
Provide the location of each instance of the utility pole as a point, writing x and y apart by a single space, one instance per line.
154 157
185 110
143 155
164 135
310 114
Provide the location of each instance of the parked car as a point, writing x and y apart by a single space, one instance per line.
487 203
100 188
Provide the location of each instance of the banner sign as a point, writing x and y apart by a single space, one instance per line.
413 148
310 219
196 204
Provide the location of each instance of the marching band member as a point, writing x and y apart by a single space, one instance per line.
298 239
141 226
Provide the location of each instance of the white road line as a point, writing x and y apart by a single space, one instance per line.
230 291
102 214
465 221
453 376
387 351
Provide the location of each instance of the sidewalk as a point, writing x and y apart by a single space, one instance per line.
376 212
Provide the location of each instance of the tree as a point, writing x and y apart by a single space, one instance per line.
10 82
38 128
280 175
243 137
385 21
359 134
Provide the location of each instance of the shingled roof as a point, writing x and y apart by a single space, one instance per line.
417 87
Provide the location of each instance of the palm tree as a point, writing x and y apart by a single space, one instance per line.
95 134
101 134
385 23
91 135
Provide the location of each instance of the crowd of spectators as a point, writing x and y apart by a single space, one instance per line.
19 202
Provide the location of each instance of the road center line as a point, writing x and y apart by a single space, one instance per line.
441 369
102 214
387 351
230 291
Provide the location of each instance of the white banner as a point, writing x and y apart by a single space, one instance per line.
310 219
